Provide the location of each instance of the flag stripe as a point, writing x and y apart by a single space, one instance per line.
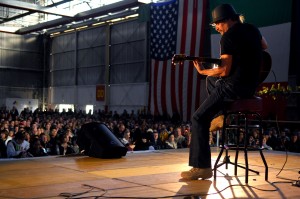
174 87
163 87
155 82
201 51
182 50
168 90
192 52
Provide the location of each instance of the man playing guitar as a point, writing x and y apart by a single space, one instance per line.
236 77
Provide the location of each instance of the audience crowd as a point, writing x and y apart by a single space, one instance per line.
49 132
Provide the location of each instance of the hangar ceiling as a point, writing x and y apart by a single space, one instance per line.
48 16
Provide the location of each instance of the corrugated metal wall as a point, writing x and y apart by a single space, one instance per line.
111 55
21 67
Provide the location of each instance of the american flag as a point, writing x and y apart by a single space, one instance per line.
177 26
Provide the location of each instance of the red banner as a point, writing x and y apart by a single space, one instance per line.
100 93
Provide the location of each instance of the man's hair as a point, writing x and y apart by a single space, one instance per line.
238 18
20 135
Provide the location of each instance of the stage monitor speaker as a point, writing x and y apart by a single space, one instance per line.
97 140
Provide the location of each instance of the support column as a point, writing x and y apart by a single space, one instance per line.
107 68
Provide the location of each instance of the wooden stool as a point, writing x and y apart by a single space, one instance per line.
240 116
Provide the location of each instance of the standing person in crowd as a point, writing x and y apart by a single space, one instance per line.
236 77
14 113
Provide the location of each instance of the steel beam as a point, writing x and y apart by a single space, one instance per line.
31 12
118 6
33 7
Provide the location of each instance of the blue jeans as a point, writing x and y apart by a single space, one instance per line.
218 90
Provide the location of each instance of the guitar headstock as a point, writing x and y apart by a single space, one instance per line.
178 58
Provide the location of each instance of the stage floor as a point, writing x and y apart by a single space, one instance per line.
149 174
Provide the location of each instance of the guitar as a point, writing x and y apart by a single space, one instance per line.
179 58
265 67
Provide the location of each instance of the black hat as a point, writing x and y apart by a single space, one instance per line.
222 12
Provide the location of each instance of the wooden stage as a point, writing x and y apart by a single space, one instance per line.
149 174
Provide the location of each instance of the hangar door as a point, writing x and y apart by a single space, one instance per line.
113 56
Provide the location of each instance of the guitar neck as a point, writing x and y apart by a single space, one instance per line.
192 58
178 58
204 59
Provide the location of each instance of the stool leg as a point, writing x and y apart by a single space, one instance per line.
247 166
236 162
265 163
226 159
241 123
216 163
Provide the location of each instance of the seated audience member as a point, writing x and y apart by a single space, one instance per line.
54 141
156 143
5 125
142 143
264 144
163 134
74 144
64 147
273 140
179 138
186 132
27 136
36 149
149 134
69 135
45 143
126 140
212 141
254 138
284 140
3 137
119 132
170 143
18 147
294 144
10 136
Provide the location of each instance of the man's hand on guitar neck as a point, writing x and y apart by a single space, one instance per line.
221 71
209 72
